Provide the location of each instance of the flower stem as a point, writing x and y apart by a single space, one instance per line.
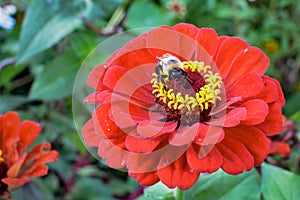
179 194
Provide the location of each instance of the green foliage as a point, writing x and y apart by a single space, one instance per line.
220 185
45 25
279 184
11 102
158 191
274 183
50 78
139 18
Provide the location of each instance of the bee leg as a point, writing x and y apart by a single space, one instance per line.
158 70
186 81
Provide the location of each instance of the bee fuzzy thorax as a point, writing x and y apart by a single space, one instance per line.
168 63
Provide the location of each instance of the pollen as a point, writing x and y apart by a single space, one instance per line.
201 94
1 158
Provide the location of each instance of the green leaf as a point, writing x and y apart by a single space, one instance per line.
55 81
37 188
158 191
292 104
9 72
138 17
10 102
89 188
121 188
221 185
45 24
279 184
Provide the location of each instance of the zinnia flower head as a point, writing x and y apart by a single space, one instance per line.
177 7
17 163
214 110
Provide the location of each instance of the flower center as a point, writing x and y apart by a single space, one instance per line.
192 95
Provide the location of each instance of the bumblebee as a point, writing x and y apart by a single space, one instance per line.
169 68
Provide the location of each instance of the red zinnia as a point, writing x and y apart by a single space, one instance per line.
16 165
219 114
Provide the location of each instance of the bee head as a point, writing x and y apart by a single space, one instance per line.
169 62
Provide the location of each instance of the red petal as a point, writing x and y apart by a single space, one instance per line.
29 131
91 138
146 179
178 174
95 77
137 43
273 123
247 86
236 157
184 135
99 97
257 110
235 116
113 60
133 84
209 135
280 98
10 137
155 128
270 93
129 59
232 118
37 167
36 152
14 183
146 56
254 139
252 59
115 156
280 148
143 96
208 39
229 48
165 39
103 123
35 171
10 126
211 162
143 163
140 145
113 75
15 168
188 44
124 115
187 29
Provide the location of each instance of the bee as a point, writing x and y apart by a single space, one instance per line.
170 67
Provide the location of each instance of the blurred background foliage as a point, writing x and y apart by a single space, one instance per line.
42 52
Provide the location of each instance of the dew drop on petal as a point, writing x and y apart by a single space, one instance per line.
123 163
